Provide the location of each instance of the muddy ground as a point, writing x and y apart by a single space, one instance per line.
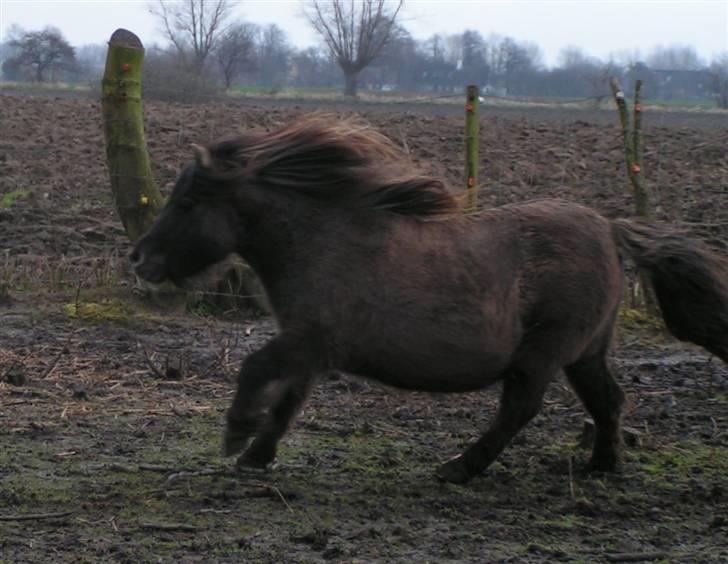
111 407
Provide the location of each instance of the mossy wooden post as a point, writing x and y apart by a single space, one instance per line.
632 139
136 196
632 144
640 192
472 130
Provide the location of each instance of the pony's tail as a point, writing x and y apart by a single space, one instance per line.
690 282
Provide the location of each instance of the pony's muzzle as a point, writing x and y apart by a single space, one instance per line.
148 267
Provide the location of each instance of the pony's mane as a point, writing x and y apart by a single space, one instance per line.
331 159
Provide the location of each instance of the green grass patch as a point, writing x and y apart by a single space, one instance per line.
36 86
565 522
104 310
641 321
703 104
8 199
272 90
681 461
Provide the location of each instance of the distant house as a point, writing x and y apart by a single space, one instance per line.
666 84
682 84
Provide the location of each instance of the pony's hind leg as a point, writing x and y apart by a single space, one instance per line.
521 400
602 397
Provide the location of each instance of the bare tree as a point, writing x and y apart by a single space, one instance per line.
90 59
397 63
235 50
274 53
41 51
475 69
474 48
314 66
626 58
438 65
355 31
509 57
574 57
453 48
592 71
193 26
434 48
674 57
719 79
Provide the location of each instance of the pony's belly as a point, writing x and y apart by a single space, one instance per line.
452 355
452 383
443 374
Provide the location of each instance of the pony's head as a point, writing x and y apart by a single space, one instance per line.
198 227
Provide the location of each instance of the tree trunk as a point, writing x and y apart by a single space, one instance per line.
228 73
136 196
350 82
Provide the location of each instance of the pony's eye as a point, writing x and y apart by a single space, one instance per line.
186 203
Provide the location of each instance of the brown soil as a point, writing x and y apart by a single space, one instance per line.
111 409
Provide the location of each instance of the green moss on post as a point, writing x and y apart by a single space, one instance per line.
640 193
472 131
136 196
632 144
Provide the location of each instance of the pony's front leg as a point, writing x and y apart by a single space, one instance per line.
270 377
262 451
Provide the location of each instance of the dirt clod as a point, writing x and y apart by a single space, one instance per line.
15 377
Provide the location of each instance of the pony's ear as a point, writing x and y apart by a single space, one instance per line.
202 156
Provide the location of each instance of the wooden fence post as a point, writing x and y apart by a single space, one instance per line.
633 158
640 192
136 196
632 144
472 129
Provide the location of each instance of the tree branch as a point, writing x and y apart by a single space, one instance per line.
355 31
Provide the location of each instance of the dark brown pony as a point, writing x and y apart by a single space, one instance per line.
374 271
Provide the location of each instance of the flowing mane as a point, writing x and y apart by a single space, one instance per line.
331 159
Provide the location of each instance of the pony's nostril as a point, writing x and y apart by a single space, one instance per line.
136 258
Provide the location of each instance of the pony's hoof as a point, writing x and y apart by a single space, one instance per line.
244 468
453 471
234 441
257 456
603 464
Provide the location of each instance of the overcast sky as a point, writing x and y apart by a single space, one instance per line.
599 27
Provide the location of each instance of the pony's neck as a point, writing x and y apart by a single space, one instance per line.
274 240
